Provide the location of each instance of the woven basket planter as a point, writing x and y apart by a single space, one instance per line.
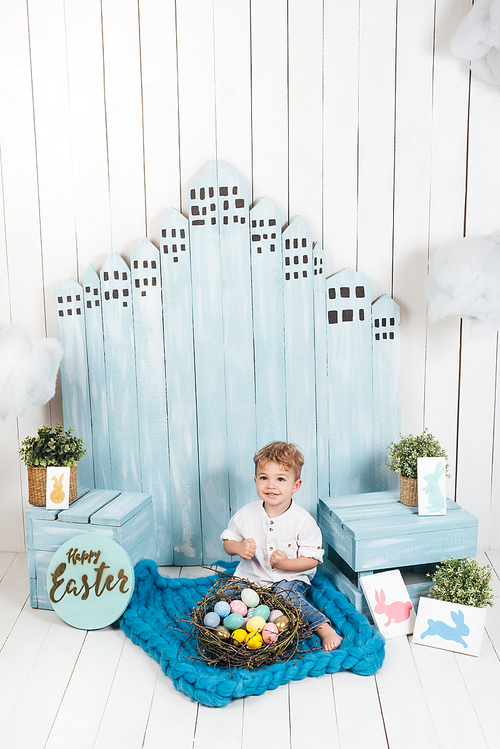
408 491
37 485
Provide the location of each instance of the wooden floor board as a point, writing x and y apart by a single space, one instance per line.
6 559
62 687
351 691
83 704
448 701
14 591
31 720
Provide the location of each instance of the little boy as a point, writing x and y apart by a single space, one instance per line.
278 541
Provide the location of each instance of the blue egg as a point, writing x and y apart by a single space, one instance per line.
211 619
233 621
222 608
262 611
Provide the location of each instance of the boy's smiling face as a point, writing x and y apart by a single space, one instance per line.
275 486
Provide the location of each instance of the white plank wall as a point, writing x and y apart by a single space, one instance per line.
354 116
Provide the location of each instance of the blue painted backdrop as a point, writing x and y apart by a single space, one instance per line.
177 369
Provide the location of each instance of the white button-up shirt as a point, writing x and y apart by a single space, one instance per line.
294 532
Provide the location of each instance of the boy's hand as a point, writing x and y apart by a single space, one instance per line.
248 547
279 560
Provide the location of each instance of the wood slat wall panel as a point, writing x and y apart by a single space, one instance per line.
87 118
269 92
93 146
447 211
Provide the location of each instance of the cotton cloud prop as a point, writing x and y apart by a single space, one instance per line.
28 369
478 39
464 280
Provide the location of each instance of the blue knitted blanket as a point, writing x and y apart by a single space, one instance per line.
151 620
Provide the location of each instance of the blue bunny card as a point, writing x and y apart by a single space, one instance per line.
449 626
431 483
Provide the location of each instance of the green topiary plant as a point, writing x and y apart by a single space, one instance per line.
462 581
52 448
403 455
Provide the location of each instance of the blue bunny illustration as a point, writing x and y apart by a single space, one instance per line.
435 498
454 634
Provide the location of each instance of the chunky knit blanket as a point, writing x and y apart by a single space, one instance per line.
151 620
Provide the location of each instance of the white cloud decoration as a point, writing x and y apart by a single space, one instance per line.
478 39
464 280
28 369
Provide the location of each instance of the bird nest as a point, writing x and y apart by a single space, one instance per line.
230 653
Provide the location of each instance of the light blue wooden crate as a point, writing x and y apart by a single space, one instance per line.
349 383
175 256
97 378
375 531
151 396
126 518
75 374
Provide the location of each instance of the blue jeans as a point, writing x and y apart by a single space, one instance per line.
295 591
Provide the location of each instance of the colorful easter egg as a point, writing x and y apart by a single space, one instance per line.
250 597
238 607
233 621
273 615
222 608
262 611
254 640
255 623
211 619
270 633
282 622
239 635
223 633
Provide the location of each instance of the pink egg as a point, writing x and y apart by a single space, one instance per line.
238 607
274 615
270 633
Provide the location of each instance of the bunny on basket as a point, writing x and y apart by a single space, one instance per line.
57 495
435 498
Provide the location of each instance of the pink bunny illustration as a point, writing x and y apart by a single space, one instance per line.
399 611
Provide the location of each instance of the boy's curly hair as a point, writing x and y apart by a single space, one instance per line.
285 454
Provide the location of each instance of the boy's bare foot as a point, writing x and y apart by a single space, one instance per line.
330 640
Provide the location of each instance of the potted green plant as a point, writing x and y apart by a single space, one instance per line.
402 459
453 614
54 448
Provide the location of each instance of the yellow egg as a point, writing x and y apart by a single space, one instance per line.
254 640
239 635
255 623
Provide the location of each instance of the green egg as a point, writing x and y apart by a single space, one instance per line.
233 621
262 611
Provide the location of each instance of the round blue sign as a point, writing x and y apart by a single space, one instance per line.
90 581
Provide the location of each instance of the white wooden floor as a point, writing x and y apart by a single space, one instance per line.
62 687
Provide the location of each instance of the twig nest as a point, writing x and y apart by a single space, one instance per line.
247 628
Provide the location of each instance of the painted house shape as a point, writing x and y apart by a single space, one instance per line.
228 336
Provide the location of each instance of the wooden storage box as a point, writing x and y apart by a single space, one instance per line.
371 532
125 517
